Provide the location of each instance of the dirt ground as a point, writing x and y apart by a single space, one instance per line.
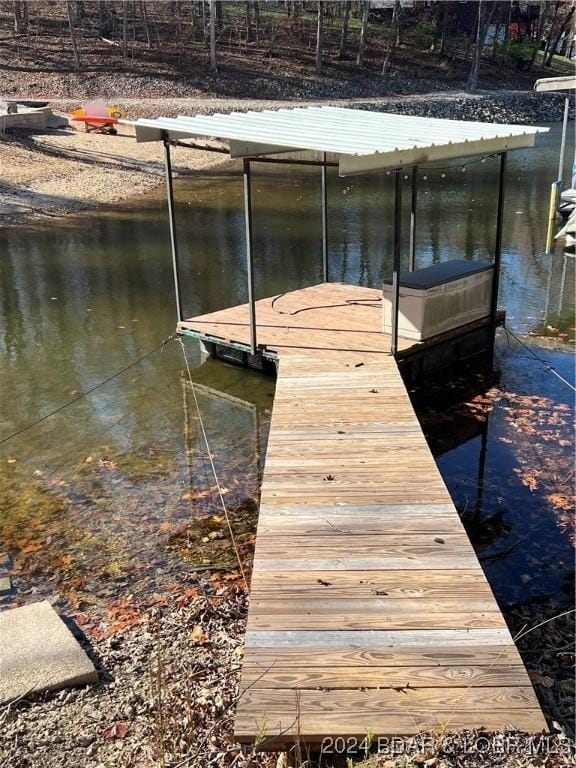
65 171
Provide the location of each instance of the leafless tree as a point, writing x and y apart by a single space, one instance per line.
73 38
319 36
213 56
363 31
144 14
393 37
344 33
482 24
248 22
124 29
20 17
562 28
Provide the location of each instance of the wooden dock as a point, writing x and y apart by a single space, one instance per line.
369 611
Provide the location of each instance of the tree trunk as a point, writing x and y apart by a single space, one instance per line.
398 25
20 17
204 24
344 34
363 30
319 37
549 35
124 29
563 26
73 39
482 25
144 14
391 41
542 18
257 19
213 57
248 22
444 29
473 77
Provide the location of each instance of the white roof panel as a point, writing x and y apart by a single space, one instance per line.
362 140
564 83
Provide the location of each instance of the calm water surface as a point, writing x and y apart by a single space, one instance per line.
114 496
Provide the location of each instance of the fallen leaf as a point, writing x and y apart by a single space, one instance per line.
198 635
540 679
116 731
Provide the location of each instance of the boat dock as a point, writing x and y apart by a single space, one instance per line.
369 611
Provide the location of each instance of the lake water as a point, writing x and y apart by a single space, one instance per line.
113 497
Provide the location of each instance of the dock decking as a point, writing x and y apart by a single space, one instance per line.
369 611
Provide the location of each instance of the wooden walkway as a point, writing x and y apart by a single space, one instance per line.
369 611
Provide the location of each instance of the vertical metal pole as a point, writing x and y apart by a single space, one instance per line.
498 244
249 261
412 255
173 238
396 262
325 221
563 142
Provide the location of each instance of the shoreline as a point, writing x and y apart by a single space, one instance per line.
58 173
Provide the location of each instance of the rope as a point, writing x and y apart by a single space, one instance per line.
348 303
85 394
547 365
209 452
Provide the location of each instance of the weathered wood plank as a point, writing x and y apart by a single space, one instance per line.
399 639
399 584
318 714
373 676
483 655
369 609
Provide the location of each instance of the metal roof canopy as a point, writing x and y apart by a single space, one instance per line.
361 141
552 84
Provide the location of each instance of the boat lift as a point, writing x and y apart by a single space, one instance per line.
562 202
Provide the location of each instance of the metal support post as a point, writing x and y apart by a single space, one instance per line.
173 238
412 255
396 262
249 255
325 221
498 244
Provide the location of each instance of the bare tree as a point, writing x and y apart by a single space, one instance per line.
344 33
563 26
20 17
319 37
363 31
443 28
73 39
473 77
144 14
393 37
213 57
482 24
248 22
124 29
257 18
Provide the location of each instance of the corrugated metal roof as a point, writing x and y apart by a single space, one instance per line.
362 141
564 83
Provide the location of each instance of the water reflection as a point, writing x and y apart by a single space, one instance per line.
100 488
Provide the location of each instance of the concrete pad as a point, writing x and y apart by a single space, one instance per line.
5 585
39 653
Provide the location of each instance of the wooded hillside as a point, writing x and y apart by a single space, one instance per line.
275 49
